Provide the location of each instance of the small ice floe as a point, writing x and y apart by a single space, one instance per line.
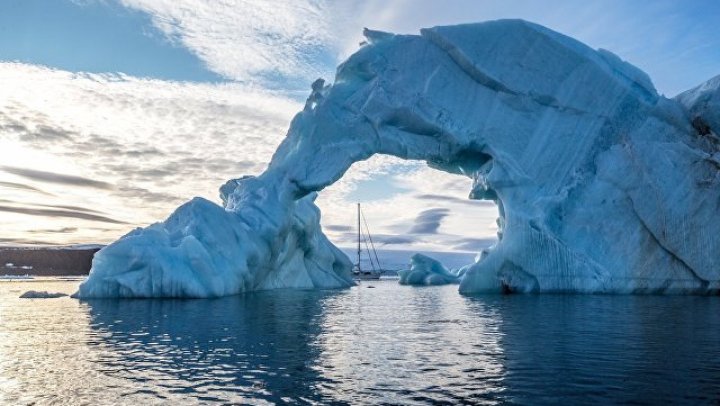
426 271
9 265
13 277
37 294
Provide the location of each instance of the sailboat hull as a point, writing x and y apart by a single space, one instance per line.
366 277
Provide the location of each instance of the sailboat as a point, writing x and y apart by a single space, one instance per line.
358 272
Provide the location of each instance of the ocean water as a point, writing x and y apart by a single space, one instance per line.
388 344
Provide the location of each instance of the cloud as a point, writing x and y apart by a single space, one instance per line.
333 227
428 221
21 186
24 241
454 199
350 239
254 40
52 206
56 177
63 230
59 213
396 239
392 217
160 143
473 244
134 147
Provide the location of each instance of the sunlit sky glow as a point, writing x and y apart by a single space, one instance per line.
114 112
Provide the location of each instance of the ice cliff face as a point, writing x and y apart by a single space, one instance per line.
602 184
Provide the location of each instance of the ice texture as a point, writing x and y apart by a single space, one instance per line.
262 239
703 105
426 271
602 184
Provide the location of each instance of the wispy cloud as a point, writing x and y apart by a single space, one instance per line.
21 186
428 221
472 244
59 213
136 147
454 199
254 40
52 177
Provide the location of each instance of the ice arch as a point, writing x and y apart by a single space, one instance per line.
602 184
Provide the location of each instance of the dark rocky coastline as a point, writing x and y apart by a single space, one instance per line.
47 261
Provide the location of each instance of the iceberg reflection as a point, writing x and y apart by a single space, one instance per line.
233 349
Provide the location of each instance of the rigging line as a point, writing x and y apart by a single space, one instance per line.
372 264
371 241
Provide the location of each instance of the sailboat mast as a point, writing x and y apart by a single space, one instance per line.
358 222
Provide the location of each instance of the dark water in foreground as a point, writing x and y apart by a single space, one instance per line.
390 344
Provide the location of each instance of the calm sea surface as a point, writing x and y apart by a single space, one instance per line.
384 345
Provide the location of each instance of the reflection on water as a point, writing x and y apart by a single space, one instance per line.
646 349
390 344
394 344
256 346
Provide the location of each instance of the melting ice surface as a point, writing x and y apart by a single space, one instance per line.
602 184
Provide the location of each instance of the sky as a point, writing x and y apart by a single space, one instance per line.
114 112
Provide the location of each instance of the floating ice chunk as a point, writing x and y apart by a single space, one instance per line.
426 271
26 276
37 294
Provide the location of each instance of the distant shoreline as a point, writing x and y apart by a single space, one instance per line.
68 260
76 260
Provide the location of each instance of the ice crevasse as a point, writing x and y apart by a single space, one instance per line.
603 185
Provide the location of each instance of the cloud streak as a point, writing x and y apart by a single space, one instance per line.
135 147
429 221
51 177
454 199
21 186
59 213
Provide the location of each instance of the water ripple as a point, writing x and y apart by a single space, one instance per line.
389 345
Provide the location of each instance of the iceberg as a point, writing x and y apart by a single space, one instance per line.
426 271
262 239
602 184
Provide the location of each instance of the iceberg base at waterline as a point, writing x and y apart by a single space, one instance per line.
204 250
602 184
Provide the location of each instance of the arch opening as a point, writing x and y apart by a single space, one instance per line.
411 208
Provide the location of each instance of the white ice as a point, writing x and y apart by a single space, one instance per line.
602 184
